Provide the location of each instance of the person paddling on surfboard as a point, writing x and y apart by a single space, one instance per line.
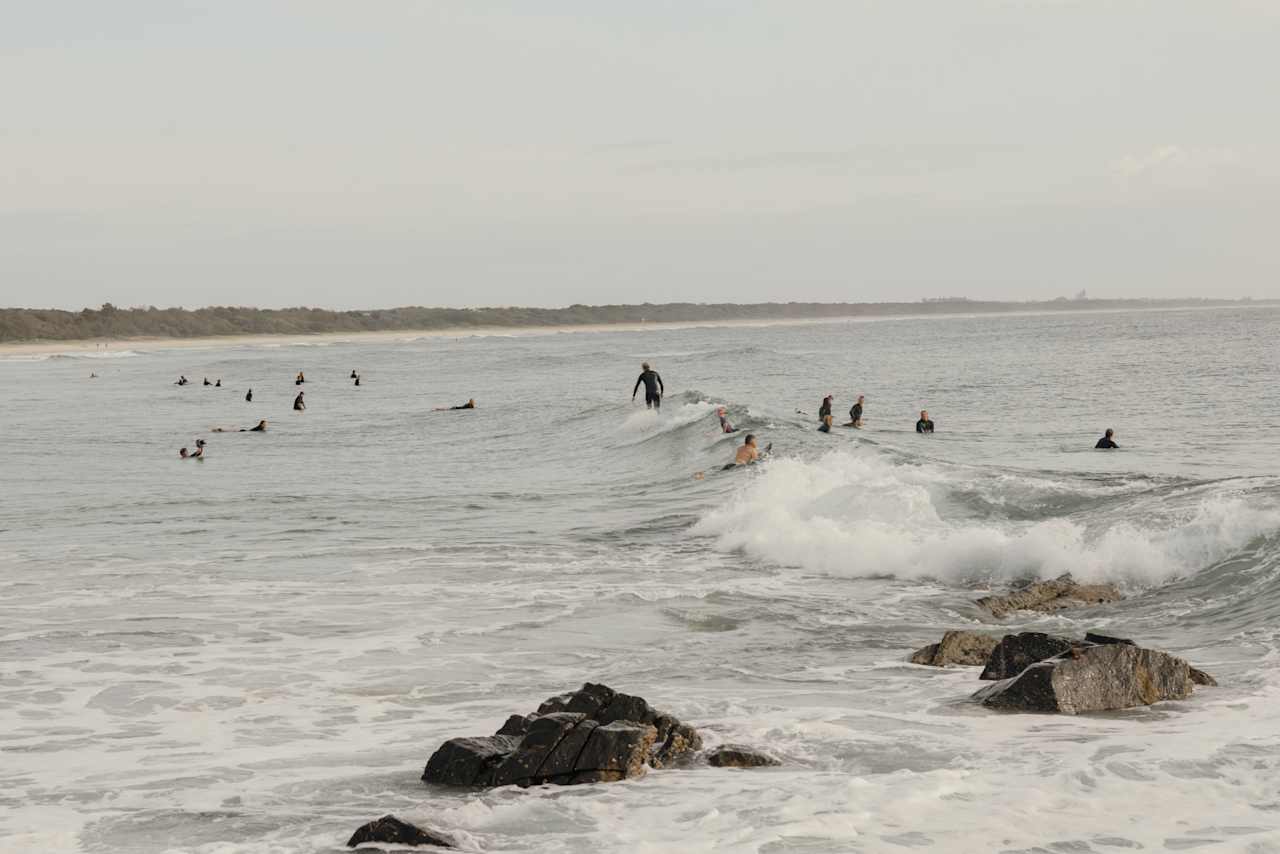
470 404
1107 441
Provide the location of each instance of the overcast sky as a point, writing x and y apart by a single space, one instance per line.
396 152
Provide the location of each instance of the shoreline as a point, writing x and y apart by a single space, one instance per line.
17 350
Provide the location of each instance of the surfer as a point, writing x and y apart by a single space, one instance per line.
357 382
470 404
182 453
300 380
855 413
261 428
181 380
924 425
653 387
248 398
199 451
218 384
1108 440
825 426
747 453
354 375
725 426
824 411
206 381
298 405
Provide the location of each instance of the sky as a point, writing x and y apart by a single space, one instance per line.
410 152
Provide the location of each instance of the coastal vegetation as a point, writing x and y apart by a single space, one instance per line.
110 322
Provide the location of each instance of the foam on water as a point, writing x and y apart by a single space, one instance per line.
861 514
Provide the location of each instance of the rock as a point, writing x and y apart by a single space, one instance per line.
737 756
1199 677
1047 596
1093 679
469 761
593 734
1015 653
1092 637
392 830
957 647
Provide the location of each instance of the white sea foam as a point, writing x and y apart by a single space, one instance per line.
858 514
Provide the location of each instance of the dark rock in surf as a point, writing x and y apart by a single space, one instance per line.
1199 677
1093 637
594 734
1015 653
1048 596
737 756
392 830
1093 679
957 647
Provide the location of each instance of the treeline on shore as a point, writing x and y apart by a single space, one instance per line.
110 322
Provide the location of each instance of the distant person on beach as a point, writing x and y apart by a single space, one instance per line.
248 398
824 411
855 413
725 426
924 425
653 387
298 405
1108 440
470 404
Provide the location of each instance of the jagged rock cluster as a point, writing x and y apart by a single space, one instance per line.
591 735
1047 596
1037 672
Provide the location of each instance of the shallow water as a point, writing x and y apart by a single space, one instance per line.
257 652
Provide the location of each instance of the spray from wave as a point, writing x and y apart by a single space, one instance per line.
860 514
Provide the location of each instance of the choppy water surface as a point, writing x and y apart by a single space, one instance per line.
257 652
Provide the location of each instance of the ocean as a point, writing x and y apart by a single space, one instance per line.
258 651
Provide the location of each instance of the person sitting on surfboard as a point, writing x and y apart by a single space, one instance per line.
1107 441
470 404
298 404
855 413
724 422
924 425
824 411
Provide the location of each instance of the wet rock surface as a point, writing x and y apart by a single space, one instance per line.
1049 596
957 648
1098 678
738 756
594 734
1015 653
391 830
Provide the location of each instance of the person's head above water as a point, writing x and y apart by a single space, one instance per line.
1110 433
750 440
182 452
861 398
924 415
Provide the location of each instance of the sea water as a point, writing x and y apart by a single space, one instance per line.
257 652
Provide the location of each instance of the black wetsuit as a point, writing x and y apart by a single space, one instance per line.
298 403
825 409
249 397
653 389
855 414
467 405
258 429
923 426
1106 442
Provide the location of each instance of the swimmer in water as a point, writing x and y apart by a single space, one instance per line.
653 387
298 405
261 428
206 381
199 452
747 453
300 380
1108 440
470 404
248 398
924 425
725 426
855 413
182 453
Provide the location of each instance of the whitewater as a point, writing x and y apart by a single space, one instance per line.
258 652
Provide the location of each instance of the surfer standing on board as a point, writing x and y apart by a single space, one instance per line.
653 387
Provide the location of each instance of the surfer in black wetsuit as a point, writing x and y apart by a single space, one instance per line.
218 384
357 382
353 374
855 413
653 387
206 381
261 428
248 398
1107 441
298 404
470 404
924 425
